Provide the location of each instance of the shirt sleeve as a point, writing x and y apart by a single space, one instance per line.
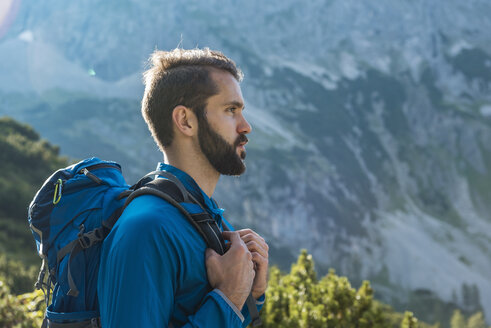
245 310
138 277
216 311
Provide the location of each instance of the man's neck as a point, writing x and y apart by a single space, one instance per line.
198 167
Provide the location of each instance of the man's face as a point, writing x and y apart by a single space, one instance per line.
222 134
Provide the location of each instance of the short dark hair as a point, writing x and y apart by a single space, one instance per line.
180 77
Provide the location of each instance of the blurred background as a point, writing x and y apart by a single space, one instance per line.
371 142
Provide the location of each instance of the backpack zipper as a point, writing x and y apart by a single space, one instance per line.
103 165
93 177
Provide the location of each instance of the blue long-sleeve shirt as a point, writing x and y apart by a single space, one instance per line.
152 270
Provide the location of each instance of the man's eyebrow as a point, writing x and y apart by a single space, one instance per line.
235 103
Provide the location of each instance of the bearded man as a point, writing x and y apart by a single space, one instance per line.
156 269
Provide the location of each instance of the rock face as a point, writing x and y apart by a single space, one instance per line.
371 144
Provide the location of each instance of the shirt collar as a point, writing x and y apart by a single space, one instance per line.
191 185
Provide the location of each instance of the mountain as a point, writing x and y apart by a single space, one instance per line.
371 122
25 162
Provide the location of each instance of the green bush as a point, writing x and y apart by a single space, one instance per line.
475 321
409 321
298 299
22 311
19 278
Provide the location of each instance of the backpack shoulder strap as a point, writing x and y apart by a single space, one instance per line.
172 193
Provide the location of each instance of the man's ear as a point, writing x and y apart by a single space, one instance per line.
185 120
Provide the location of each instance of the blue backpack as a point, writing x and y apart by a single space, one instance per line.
71 215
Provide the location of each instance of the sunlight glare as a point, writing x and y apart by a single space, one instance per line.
8 11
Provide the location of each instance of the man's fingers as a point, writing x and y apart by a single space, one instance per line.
259 260
250 239
236 243
232 236
248 234
244 232
253 246
259 240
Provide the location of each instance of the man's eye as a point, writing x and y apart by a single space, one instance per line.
232 109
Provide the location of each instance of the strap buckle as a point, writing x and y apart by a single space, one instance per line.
88 239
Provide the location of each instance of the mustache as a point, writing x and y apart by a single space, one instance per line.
241 139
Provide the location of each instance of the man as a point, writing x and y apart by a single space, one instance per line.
156 270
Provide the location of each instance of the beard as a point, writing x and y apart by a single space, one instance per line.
221 155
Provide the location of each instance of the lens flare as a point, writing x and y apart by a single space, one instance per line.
8 12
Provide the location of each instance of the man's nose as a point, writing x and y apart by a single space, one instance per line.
244 127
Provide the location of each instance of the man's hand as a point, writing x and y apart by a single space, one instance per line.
233 273
259 250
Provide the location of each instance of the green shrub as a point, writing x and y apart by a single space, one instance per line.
22 311
298 299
